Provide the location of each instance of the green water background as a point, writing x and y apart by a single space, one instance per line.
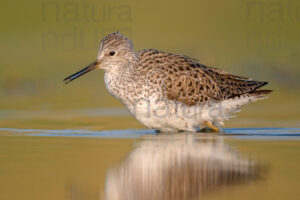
43 41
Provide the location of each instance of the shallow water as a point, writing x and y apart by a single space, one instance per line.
95 155
64 142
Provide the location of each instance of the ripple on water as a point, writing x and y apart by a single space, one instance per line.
243 133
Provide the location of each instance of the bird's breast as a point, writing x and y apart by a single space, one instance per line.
123 88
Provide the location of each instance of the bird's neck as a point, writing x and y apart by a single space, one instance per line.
120 83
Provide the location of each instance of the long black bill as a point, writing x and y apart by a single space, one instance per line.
90 67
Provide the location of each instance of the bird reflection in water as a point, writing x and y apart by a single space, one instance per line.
183 166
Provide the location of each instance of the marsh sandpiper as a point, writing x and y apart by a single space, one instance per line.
170 92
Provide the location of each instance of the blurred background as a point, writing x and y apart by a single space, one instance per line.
44 41
62 145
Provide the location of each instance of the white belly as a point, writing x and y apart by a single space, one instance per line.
166 115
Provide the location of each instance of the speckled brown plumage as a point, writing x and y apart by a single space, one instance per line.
170 92
184 79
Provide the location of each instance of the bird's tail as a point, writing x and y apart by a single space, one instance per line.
260 93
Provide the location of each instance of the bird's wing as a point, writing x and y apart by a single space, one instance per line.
232 85
185 80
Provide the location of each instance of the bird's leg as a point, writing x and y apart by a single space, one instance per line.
157 131
212 127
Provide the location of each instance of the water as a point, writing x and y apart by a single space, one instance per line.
242 133
54 144
93 154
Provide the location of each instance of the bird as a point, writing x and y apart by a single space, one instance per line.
170 92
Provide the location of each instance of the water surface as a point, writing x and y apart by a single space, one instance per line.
93 155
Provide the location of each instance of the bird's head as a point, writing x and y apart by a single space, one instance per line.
115 53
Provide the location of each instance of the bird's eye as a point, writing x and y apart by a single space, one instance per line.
111 53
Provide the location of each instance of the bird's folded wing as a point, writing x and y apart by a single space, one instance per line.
185 80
